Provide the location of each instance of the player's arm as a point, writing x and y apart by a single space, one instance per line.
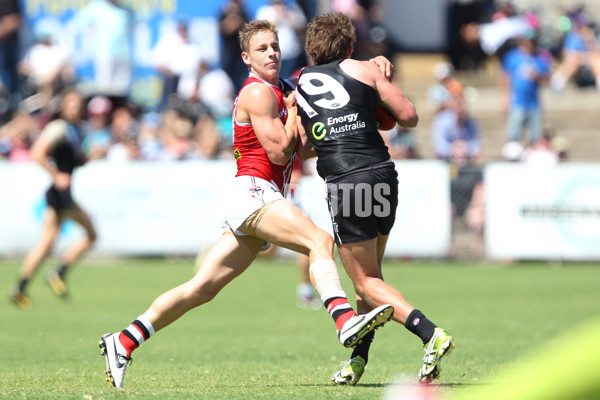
52 134
304 148
9 24
393 98
259 105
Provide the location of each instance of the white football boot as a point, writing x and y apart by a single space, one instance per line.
116 359
359 325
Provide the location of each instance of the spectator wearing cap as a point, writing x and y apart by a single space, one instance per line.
447 89
97 136
524 70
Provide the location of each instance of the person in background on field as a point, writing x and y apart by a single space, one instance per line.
305 294
337 99
256 211
58 151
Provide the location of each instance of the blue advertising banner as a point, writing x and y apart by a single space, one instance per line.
111 41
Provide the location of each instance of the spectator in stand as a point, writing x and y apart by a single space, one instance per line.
232 19
17 135
173 56
46 67
446 91
580 51
371 36
175 134
106 33
540 153
123 129
206 139
211 86
291 25
10 21
498 36
460 13
97 136
561 145
151 147
454 129
524 70
401 143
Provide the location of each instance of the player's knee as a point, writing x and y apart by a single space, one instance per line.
197 299
198 295
322 242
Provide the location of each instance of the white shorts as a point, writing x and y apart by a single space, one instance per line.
246 195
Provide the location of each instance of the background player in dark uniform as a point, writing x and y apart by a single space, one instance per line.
337 100
58 151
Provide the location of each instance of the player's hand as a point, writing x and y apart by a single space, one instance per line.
289 99
385 66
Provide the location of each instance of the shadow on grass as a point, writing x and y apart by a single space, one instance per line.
382 385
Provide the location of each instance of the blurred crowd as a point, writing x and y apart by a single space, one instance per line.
193 119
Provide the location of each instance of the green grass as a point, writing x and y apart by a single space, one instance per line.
251 342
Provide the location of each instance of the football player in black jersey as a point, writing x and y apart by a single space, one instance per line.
58 151
337 101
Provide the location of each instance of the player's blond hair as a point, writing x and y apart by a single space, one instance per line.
329 37
251 29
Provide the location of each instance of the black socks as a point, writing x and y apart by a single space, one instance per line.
418 324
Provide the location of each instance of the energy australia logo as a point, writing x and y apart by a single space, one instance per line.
319 131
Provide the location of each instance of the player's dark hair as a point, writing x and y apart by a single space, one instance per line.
329 37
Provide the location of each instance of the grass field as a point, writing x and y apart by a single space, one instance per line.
252 342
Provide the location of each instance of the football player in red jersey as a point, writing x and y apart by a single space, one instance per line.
256 212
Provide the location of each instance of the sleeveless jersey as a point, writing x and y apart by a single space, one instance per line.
66 141
338 115
250 156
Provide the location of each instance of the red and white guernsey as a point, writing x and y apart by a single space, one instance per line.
251 157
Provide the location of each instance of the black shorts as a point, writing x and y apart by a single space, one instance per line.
362 203
60 200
